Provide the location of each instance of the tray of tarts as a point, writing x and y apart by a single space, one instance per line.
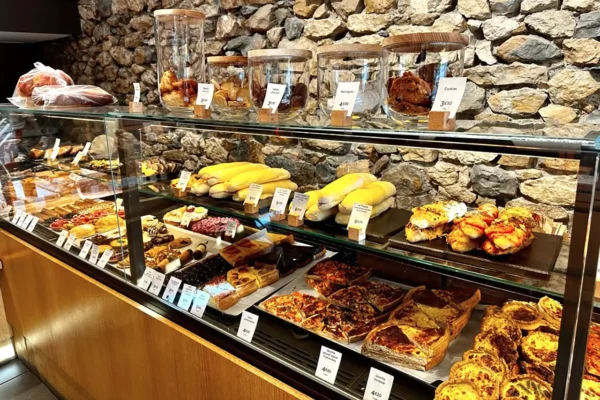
412 330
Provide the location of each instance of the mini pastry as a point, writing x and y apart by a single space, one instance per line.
180 243
200 252
83 231
525 314
118 243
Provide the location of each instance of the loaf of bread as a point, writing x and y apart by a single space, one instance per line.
226 175
343 218
243 180
315 214
219 191
206 171
373 194
78 95
333 194
268 189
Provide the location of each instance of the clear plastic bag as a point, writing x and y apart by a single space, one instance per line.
40 76
71 96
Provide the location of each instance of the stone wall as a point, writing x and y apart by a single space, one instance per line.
529 59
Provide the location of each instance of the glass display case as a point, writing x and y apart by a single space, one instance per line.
474 243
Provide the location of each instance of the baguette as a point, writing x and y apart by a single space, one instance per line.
343 218
219 191
373 194
227 174
206 171
243 180
268 189
333 194
315 214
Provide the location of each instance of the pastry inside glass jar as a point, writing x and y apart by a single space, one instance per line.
228 74
232 93
177 92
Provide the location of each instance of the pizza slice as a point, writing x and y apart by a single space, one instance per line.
324 288
309 305
283 307
326 326
383 296
339 273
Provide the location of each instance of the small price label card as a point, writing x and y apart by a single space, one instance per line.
61 238
16 216
183 179
247 326
77 159
200 301
299 203
104 259
205 94
185 220
171 290
345 97
449 95
280 200
21 219
187 295
32 224
71 239
94 254
136 92
146 279
273 97
86 148
328 365
25 220
55 149
254 193
157 281
85 249
230 229
379 385
359 218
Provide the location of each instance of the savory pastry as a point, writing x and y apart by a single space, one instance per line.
478 374
526 315
243 280
180 242
466 298
489 360
327 327
339 273
460 242
551 311
454 389
103 247
333 193
520 216
109 223
324 288
243 180
265 276
372 194
540 348
496 321
309 305
414 234
468 230
36 153
544 373
409 313
407 346
354 298
283 307
592 359
83 231
222 294
526 387
64 150
354 325
506 238
436 214
590 388
501 346
384 297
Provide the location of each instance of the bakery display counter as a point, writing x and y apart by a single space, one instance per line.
298 250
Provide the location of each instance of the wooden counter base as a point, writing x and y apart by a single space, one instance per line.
89 342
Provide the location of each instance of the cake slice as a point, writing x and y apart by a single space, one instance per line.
243 280
222 294
265 276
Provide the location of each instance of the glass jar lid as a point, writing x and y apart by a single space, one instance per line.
292 55
167 13
226 60
432 41
350 50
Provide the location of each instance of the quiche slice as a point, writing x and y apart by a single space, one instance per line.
540 348
590 388
481 376
409 313
324 288
465 298
544 373
500 345
496 321
454 389
525 314
492 361
526 387
551 311
308 305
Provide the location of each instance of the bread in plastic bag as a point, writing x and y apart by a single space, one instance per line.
40 76
71 96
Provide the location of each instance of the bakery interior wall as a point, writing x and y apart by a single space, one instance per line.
530 69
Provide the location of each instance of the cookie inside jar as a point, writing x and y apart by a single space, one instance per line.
414 64
229 75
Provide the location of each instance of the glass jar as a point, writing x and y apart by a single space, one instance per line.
414 64
179 36
280 66
229 75
361 63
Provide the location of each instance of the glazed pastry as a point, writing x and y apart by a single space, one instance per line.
180 243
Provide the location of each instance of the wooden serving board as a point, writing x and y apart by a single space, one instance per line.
536 261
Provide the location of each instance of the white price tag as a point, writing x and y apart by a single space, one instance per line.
184 179
77 158
146 279
449 95
200 301
254 192
280 200
205 94
273 97
171 290
86 148
70 242
61 238
247 326
25 220
16 216
345 96
379 385
136 92
85 249
299 204
187 295
94 254
55 149
104 259
32 224
231 229
328 365
157 282
359 218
